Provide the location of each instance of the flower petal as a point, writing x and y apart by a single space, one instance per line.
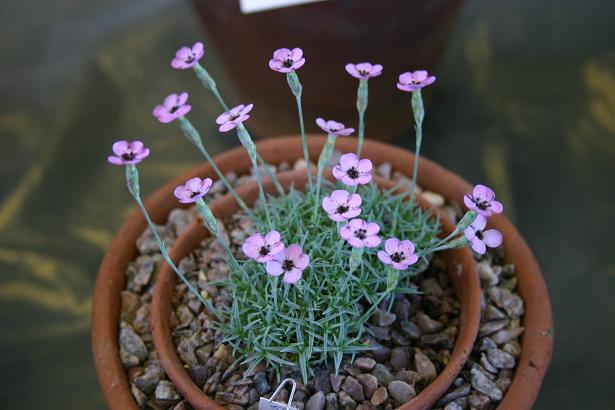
478 245
384 257
120 147
391 245
348 161
372 241
293 276
492 238
274 267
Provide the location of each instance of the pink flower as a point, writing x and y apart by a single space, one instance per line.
398 254
342 205
291 262
483 201
412 81
285 60
333 127
127 153
363 71
263 248
192 190
187 57
232 118
351 171
173 107
480 238
359 233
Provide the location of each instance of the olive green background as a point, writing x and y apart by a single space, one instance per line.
525 102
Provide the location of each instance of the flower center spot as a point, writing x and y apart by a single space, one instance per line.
288 265
342 209
288 63
360 233
264 250
128 156
194 193
353 173
479 235
397 257
174 109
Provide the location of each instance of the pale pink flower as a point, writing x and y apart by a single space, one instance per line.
412 81
233 117
480 238
353 171
483 201
399 254
342 205
363 71
263 248
359 233
128 153
285 60
187 57
291 262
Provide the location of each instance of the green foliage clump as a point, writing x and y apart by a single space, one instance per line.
322 316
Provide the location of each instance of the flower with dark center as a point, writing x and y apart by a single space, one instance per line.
342 205
285 60
187 57
353 171
364 71
482 200
360 234
127 153
480 238
192 190
333 127
233 117
173 107
415 80
263 248
291 263
398 254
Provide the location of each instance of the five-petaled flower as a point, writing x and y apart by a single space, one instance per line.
173 107
480 238
233 117
192 190
333 127
187 57
263 248
342 205
363 71
127 153
352 171
285 60
482 200
399 254
291 262
412 81
359 233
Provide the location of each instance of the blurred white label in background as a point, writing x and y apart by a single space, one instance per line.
254 6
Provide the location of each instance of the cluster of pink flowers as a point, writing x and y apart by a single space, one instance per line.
482 201
279 260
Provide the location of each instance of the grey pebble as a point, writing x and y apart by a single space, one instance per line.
481 383
400 391
316 402
501 359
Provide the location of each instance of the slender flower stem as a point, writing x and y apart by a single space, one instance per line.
466 221
297 88
132 180
248 144
193 136
210 84
211 223
419 114
323 160
362 96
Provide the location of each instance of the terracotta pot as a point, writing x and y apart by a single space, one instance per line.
401 35
461 268
537 340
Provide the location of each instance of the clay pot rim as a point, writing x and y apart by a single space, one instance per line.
537 340
465 282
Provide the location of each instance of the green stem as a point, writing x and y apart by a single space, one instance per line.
297 88
356 255
419 114
209 83
132 180
323 160
211 223
362 97
248 144
193 136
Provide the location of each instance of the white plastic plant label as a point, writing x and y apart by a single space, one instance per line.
254 6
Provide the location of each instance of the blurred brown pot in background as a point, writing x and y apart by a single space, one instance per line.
402 35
